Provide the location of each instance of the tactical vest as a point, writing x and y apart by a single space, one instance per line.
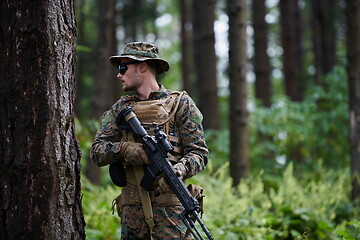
158 113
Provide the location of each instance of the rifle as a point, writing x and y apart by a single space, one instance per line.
157 148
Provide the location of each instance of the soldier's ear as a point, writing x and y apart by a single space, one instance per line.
143 67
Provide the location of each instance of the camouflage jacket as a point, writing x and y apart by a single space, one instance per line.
106 146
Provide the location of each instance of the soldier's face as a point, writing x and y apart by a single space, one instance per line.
130 80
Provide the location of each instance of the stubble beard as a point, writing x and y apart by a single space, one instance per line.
134 83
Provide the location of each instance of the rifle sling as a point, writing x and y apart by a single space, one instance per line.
145 200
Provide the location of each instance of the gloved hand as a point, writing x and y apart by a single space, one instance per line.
180 171
133 153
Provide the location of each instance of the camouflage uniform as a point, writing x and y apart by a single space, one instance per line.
105 150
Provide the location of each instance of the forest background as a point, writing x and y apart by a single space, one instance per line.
287 144
278 83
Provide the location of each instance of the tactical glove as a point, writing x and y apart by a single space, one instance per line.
180 171
133 153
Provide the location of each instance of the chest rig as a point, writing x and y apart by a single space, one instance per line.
158 113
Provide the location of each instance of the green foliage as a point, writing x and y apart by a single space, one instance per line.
307 132
101 222
85 132
350 231
291 210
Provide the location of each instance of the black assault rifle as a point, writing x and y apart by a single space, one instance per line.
157 148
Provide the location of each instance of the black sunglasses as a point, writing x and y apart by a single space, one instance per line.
123 66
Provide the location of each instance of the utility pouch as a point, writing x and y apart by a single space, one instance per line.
197 192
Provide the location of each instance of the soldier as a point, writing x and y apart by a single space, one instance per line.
144 216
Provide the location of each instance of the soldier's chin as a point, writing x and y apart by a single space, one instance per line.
126 88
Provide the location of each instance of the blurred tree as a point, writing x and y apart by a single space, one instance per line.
205 61
353 70
239 168
261 58
87 29
78 76
186 40
324 36
138 19
39 155
292 48
106 89
130 19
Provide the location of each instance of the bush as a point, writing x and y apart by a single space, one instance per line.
101 222
303 132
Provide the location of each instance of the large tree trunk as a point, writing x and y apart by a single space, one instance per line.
39 155
238 90
261 59
291 43
353 57
205 61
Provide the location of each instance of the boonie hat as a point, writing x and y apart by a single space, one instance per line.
141 51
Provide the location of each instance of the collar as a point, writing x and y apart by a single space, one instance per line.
163 92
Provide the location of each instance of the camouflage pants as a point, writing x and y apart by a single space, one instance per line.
168 224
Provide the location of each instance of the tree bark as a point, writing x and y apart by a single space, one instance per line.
238 90
205 61
291 43
261 59
39 155
353 71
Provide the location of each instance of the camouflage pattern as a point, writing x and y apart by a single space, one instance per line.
141 51
106 149
133 225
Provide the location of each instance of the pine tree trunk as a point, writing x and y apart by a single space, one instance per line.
205 61
39 155
238 90
291 43
353 57
261 59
